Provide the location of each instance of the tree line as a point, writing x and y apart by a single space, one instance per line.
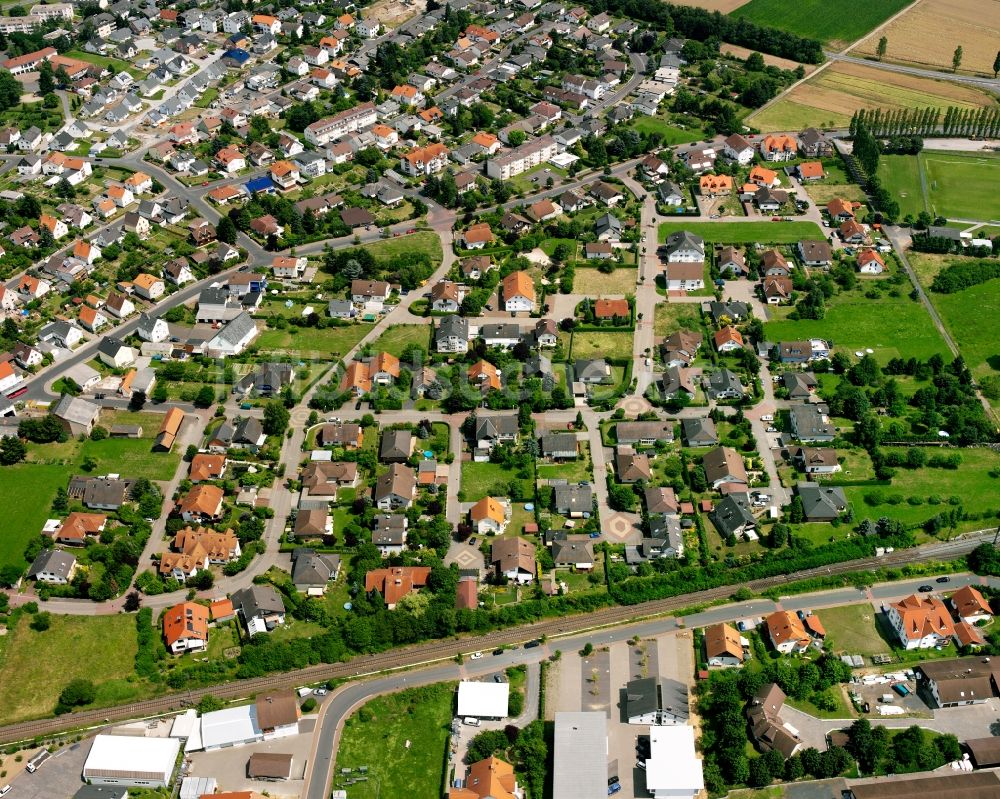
984 122
702 25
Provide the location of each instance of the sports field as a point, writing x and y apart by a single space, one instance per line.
927 34
736 232
963 186
959 185
900 174
831 96
837 24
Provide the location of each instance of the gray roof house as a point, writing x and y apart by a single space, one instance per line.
732 516
78 416
800 385
312 571
260 607
559 446
573 500
396 447
592 371
810 423
452 335
821 503
699 432
491 428
53 566
724 384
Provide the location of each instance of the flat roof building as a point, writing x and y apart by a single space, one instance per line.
124 760
673 769
580 761
485 700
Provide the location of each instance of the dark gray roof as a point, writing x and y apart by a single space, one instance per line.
396 444
54 561
642 696
576 498
495 425
558 442
453 326
732 514
700 430
257 600
310 568
821 502
236 329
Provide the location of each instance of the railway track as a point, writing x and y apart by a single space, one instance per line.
422 654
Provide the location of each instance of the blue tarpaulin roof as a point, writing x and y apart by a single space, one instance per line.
237 54
260 184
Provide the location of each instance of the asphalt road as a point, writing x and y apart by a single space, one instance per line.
344 701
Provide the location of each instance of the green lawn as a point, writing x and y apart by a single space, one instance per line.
35 667
671 317
132 457
851 630
398 337
971 484
401 738
311 342
601 344
979 351
27 491
483 479
900 174
892 326
743 232
424 242
206 99
816 19
114 64
671 134
595 283
575 471
962 185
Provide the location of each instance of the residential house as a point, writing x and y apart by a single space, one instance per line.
396 488
787 633
514 558
724 646
821 503
396 582
518 291
260 607
489 516
724 466
53 566
185 627
203 503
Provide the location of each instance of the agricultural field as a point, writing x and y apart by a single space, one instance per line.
600 344
836 25
36 666
595 283
737 232
900 174
892 326
979 351
831 96
771 60
722 6
927 35
963 186
401 739
916 495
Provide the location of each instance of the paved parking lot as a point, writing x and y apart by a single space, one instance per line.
229 766
61 775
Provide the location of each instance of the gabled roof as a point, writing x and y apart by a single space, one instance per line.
722 640
924 616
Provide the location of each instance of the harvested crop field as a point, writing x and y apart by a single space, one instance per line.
928 33
832 95
722 6
771 60
836 24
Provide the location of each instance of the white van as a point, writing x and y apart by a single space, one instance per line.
472 722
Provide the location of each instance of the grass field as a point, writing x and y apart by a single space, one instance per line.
114 64
926 36
35 667
815 19
398 337
900 174
851 630
964 186
979 351
401 738
594 283
892 326
483 479
592 344
311 342
831 96
134 457
424 242
971 483
737 232
27 491
821 193
671 317
671 133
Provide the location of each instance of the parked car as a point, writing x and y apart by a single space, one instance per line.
6 790
943 580
476 655
498 651
614 788
925 589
